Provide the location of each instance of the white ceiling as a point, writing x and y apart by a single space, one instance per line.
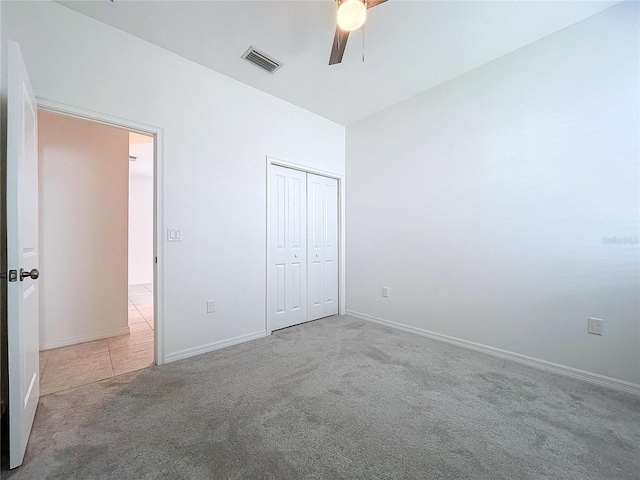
410 46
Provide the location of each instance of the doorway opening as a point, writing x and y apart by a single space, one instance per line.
140 236
96 222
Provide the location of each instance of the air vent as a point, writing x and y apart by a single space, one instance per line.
262 60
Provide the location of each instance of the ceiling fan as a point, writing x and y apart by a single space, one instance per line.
351 16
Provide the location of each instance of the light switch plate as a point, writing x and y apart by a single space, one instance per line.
174 234
211 306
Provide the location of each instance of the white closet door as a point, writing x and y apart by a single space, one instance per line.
287 300
322 221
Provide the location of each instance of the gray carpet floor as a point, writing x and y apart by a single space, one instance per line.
336 398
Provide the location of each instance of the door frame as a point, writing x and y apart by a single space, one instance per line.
157 133
341 230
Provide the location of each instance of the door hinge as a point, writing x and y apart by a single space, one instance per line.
156 259
12 277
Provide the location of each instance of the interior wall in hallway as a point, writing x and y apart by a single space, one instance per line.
140 210
83 187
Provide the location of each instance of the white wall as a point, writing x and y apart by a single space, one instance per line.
83 187
483 203
217 133
140 229
141 214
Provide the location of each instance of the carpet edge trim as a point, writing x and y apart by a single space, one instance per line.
575 373
210 347
84 338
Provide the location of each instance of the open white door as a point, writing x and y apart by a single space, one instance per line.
22 253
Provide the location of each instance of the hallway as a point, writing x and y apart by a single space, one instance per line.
68 367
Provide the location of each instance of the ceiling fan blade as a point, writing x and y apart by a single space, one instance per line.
373 3
339 44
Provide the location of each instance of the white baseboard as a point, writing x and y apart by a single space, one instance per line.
594 378
209 347
65 342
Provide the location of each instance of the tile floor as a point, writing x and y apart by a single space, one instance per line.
67 367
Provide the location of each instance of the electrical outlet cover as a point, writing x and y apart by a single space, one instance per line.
594 326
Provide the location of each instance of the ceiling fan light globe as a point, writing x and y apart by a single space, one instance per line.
351 15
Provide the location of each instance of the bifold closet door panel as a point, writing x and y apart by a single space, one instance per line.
322 237
288 244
